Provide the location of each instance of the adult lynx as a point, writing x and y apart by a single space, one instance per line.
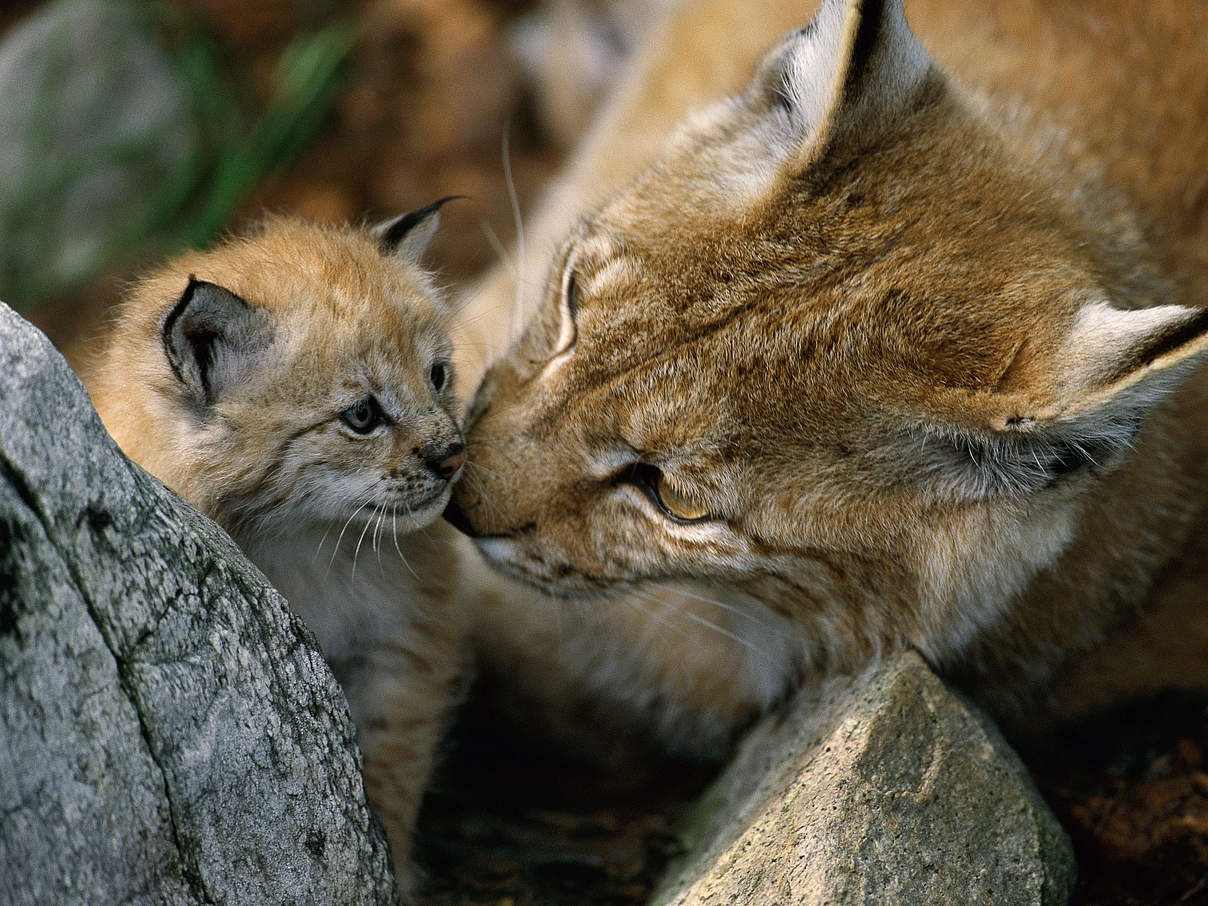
878 352
295 385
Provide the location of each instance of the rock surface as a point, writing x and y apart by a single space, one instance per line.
170 733
881 788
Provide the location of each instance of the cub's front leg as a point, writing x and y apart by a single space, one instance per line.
401 694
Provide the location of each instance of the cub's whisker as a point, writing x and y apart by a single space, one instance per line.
357 552
394 534
336 549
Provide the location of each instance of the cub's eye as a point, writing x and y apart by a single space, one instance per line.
364 416
438 376
672 500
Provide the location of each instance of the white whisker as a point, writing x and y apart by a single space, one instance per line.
356 553
720 630
496 244
340 538
722 605
518 301
377 529
394 531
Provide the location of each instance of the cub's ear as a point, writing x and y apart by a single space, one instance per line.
1074 408
409 234
846 75
211 338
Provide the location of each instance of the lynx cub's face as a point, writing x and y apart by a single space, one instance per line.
840 347
299 375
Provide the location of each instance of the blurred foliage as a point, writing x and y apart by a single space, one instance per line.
122 142
306 81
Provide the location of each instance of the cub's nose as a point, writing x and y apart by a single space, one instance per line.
446 462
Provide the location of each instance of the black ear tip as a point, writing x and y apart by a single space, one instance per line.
440 202
392 233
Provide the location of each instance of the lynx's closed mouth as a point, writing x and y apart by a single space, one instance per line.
439 496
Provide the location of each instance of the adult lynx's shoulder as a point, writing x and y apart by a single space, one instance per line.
876 353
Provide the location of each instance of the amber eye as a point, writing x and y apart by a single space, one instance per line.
672 500
679 504
364 416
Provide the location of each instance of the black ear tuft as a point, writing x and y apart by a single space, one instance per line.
409 234
210 338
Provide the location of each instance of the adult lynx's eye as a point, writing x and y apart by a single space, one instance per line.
678 503
364 416
672 500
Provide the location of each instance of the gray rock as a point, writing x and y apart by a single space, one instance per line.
881 788
169 732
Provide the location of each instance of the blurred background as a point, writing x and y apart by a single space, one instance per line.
133 129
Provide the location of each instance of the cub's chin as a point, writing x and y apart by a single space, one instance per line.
386 515
403 516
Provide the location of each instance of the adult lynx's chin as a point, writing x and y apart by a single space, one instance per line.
879 360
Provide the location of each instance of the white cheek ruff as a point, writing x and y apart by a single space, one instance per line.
501 551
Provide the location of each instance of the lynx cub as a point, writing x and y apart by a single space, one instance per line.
296 386
878 352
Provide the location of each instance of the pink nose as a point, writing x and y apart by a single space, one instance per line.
452 464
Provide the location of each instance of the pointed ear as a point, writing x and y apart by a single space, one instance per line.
409 234
211 338
851 71
1083 408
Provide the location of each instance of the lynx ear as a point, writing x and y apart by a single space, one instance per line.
409 234
1084 407
211 338
847 74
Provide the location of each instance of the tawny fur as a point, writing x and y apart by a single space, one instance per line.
339 522
881 313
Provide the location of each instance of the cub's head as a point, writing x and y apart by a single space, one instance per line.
299 374
842 346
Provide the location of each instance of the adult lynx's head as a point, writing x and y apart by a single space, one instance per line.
842 346
297 375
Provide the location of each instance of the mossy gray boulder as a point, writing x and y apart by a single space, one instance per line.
170 732
885 787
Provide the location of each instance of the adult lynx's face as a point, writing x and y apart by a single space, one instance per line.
837 347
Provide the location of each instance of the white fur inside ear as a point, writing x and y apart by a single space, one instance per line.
858 62
1103 335
408 235
1114 367
418 238
809 80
